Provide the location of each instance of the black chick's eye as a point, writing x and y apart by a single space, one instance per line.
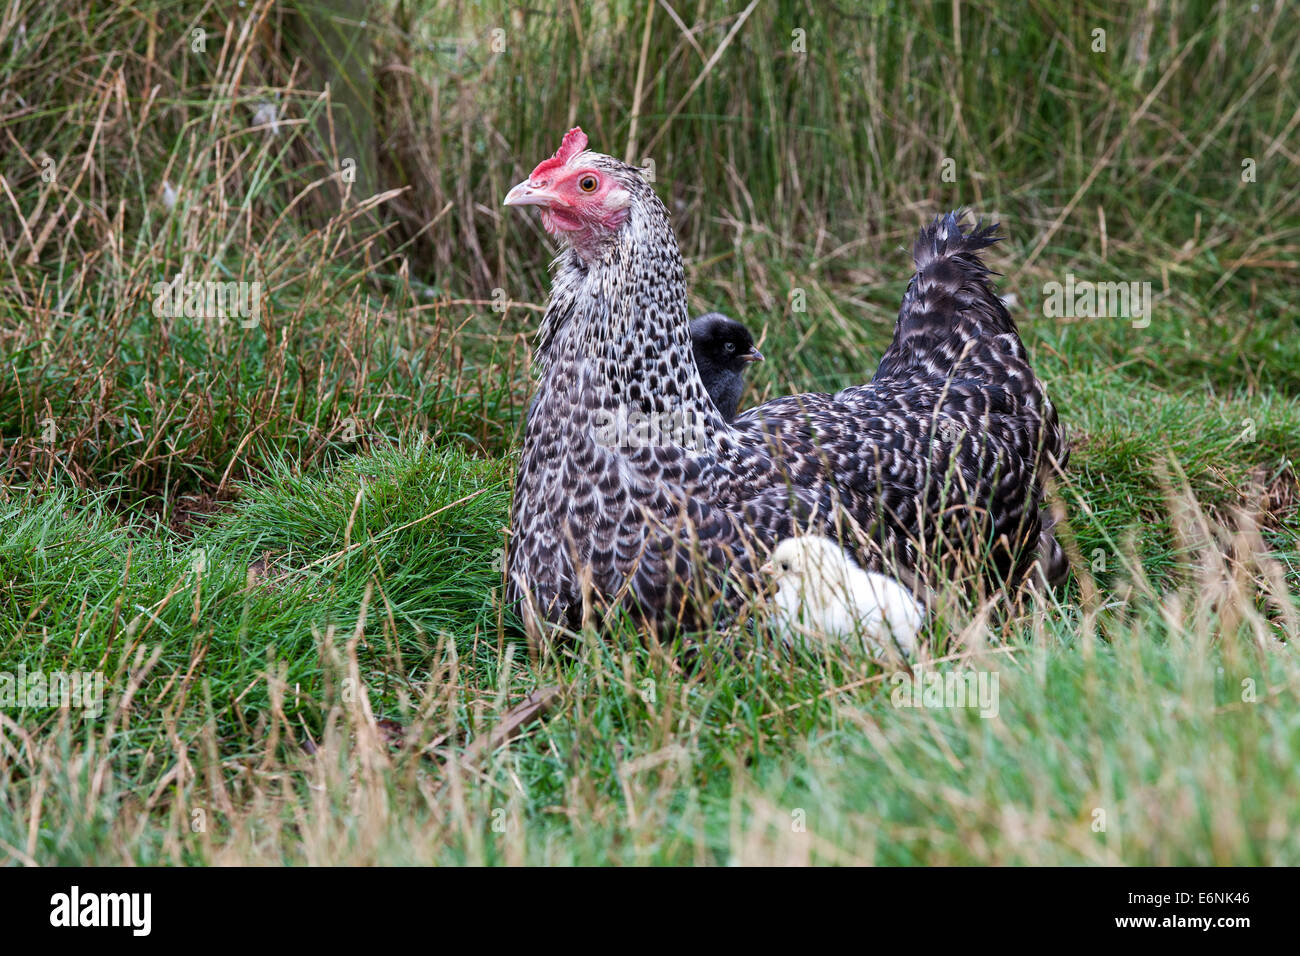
730 346
588 184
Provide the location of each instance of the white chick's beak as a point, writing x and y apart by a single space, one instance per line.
767 569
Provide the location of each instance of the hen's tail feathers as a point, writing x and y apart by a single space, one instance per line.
950 304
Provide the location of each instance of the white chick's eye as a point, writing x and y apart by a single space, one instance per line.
785 565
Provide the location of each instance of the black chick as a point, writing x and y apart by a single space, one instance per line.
723 348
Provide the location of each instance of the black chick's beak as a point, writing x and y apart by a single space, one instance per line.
753 355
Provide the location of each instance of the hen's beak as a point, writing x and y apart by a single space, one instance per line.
526 194
753 355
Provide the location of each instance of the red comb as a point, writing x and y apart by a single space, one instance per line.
575 141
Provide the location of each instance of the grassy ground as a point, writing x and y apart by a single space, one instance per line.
280 544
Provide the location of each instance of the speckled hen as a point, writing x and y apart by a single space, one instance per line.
634 492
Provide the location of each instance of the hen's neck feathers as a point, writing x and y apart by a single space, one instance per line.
618 312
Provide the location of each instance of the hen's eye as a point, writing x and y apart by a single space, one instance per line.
587 184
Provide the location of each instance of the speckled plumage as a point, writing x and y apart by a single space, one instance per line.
945 444
723 349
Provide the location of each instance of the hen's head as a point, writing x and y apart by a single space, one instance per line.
585 196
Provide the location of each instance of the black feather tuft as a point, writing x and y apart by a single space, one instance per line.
950 304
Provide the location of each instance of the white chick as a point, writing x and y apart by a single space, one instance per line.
820 591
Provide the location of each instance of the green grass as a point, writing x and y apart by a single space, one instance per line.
646 760
281 544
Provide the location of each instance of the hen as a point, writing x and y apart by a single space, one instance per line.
633 491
